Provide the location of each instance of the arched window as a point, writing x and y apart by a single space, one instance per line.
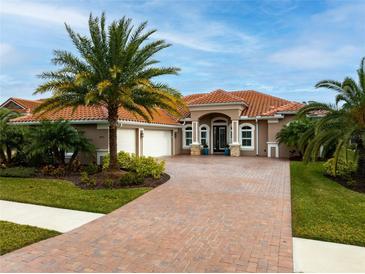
204 135
187 136
247 136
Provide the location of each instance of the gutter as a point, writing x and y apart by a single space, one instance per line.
70 121
88 122
246 118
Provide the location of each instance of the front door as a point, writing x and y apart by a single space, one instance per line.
219 138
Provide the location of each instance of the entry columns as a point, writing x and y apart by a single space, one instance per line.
235 145
195 146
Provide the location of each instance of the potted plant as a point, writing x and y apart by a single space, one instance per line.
226 150
205 150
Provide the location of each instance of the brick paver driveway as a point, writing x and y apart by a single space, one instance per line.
216 214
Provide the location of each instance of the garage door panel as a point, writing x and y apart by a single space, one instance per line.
157 143
126 140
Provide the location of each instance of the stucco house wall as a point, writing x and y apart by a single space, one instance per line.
274 128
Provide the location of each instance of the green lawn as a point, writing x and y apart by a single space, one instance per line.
14 236
64 194
323 209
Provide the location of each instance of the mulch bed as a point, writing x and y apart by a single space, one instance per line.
100 177
358 187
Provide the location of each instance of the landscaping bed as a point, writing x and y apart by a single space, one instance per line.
322 209
101 177
64 194
14 236
348 184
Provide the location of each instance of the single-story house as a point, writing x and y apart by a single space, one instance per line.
247 121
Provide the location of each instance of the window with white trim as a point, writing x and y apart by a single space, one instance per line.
188 136
204 135
247 136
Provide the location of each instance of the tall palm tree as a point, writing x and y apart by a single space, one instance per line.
115 68
343 123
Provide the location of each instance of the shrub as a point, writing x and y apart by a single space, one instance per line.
143 166
149 167
109 183
91 168
23 172
131 178
344 169
86 180
50 170
75 166
106 161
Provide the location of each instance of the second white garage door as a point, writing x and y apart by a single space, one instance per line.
126 140
157 143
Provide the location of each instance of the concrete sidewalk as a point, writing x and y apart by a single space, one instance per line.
318 256
62 220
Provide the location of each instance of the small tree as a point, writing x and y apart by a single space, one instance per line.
292 134
11 136
54 139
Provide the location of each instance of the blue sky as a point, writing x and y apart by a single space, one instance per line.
278 47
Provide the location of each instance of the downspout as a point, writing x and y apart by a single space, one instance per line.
257 137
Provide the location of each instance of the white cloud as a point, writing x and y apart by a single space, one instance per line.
8 55
313 56
333 37
55 14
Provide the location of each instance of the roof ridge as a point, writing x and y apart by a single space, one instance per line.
217 91
261 93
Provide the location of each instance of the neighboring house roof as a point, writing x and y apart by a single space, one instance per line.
21 105
256 104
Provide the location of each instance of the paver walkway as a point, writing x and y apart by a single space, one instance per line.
59 219
216 214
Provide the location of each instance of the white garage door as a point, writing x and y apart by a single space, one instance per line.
126 140
157 143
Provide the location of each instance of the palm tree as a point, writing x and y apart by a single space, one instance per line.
11 136
343 123
115 68
55 139
292 133
7 114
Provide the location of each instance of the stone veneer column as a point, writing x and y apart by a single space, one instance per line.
235 145
195 146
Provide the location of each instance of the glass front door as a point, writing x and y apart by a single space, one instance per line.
219 138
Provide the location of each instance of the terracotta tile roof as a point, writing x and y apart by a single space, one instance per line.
160 116
28 105
217 96
289 107
89 113
257 103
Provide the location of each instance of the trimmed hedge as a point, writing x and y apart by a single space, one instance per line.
143 166
23 172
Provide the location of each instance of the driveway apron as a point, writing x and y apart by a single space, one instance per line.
216 214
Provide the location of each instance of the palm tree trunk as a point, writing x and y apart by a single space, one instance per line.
8 154
113 122
72 159
2 156
360 172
